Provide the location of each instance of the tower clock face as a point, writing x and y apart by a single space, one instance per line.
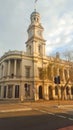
39 32
31 33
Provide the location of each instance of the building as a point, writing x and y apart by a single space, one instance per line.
30 75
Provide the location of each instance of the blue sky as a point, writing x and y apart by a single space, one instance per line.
56 18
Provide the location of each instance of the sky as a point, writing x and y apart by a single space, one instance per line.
56 18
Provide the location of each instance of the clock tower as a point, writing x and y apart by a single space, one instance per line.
35 44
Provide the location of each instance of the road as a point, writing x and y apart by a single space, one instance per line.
41 116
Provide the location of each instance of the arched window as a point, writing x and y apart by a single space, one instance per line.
62 92
40 92
67 90
72 90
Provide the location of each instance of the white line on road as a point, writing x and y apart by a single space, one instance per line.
60 116
70 119
40 110
53 114
15 110
44 111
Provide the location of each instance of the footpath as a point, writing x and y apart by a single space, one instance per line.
26 106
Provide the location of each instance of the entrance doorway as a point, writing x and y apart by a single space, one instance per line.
40 92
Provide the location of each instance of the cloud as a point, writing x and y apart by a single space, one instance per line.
62 34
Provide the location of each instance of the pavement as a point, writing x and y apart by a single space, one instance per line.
27 106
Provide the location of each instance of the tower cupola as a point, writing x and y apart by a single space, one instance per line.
35 44
35 17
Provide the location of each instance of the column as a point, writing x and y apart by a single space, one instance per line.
59 92
6 91
21 93
53 92
2 91
15 61
3 70
35 70
22 68
44 91
52 74
13 94
36 92
9 68
46 96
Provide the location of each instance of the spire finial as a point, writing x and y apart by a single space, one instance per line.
35 3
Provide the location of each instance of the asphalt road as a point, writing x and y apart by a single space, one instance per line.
38 119
36 116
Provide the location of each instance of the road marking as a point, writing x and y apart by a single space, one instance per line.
40 110
61 116
51 113
15 110
44 111
71 109
70 119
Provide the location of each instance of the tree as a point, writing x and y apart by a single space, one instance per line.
68 56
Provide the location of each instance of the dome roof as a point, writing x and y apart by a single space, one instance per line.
35 13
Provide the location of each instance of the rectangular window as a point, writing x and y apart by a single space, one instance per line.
5 91
40 73
17 91
10 91
39 49
27 72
